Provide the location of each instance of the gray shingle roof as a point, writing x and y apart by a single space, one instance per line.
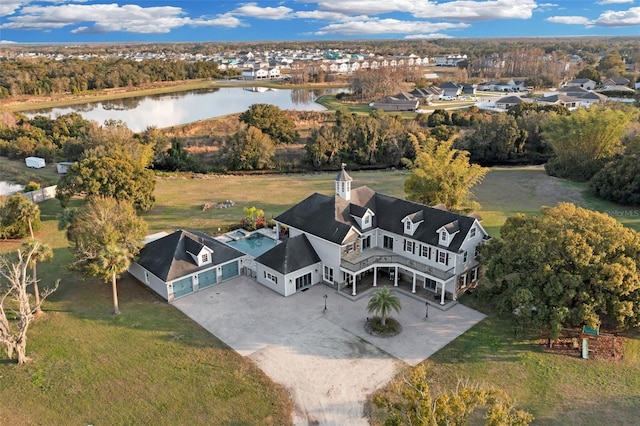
290 255
168 257
329 218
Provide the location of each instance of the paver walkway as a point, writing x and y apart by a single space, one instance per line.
325 358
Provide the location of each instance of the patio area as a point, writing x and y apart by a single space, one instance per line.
364 288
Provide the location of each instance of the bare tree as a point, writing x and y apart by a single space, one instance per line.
16 311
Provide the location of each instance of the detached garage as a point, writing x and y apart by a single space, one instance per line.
184 262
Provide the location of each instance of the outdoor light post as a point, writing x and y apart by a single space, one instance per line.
426 315
325 302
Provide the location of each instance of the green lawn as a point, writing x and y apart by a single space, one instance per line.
152 365
149 365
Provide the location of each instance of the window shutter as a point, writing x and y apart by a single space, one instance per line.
404 245
447 261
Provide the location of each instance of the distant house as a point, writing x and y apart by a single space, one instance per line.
508 101
585 83
184 262
451 89
399 102
616 81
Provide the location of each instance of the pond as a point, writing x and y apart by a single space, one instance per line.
173 109
9 188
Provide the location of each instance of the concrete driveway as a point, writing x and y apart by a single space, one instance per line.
325 358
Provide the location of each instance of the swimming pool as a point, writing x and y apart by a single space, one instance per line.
253 245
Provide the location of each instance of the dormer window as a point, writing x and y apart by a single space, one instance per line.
443 237
205 257
407 226
366 220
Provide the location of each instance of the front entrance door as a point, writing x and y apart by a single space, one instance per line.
303 281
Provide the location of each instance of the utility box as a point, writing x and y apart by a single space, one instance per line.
35 162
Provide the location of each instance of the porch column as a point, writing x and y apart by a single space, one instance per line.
375 276
413 289
444 285
353 277
277 231
395 278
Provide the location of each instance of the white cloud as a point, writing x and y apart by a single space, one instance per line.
569 20
254 11
434 36
226 20
623 18
368 7
458 10
320 15
614 1
385 26
112 17
106 17
479 10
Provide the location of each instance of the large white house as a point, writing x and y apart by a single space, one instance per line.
342 239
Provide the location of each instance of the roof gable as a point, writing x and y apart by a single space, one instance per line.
289 256
169 258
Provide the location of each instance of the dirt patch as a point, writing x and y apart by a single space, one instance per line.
606 346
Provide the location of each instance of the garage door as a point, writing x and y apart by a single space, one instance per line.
182 287
229 270
207 278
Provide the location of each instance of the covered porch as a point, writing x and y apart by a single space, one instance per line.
377 267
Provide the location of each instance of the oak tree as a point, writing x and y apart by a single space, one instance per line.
272 121
108 177
568 266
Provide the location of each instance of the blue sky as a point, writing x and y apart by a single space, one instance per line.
62 21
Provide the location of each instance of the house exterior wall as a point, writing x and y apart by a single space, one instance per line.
327 251
263 273
153 282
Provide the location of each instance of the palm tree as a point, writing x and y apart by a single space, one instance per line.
111 262
28 212
39 253
382 302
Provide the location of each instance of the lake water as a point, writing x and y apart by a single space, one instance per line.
9 188
185 107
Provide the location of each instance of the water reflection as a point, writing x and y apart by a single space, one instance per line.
9 188
172 109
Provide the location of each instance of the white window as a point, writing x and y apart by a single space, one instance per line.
366 220
476 252
271 277
407 226
328 274
472 233
464 256
443 236
350 247
463 281
205 257
426 252
442 257
408 246
474 275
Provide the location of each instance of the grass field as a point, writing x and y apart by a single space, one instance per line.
152 365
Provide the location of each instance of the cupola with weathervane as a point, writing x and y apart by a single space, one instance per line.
343 184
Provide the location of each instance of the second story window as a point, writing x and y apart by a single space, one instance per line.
407 226
472 233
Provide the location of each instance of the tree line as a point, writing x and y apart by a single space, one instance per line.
40 77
